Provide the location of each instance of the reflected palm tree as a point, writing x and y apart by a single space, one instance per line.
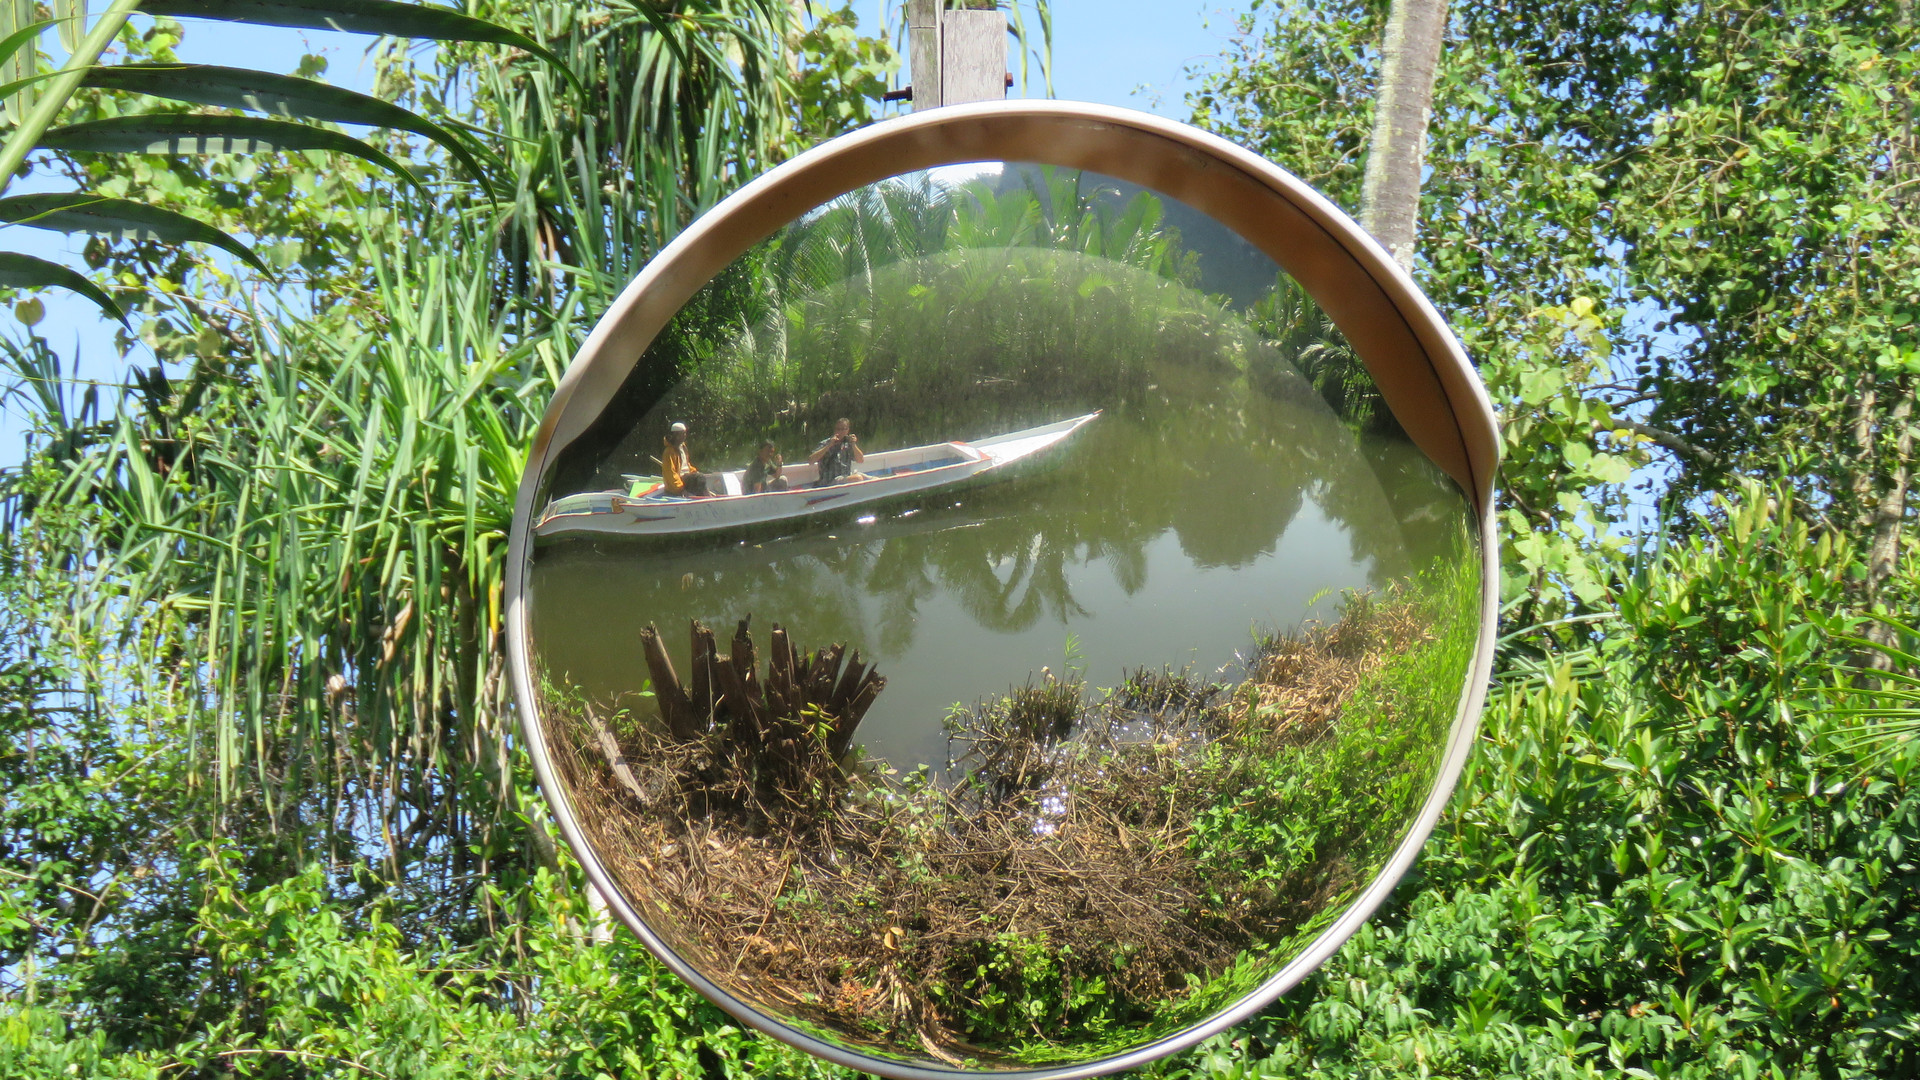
1314 348
1007 582
912 295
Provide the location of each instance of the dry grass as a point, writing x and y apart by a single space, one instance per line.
879 908
1305 678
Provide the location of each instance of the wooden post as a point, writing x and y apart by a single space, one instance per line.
675 708
956 55
973 57
923 51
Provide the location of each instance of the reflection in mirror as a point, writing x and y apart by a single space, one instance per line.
997 623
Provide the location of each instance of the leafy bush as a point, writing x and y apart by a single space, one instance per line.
1666 860
290 982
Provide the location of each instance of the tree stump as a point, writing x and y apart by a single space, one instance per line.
806 703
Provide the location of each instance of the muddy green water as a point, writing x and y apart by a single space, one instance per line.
1166 533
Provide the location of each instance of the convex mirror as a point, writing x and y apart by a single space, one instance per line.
1009 591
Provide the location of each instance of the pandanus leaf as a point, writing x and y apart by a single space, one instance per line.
71 16
280 95
190 134
18 57
19 271
358 17
18 39
121 219
8 89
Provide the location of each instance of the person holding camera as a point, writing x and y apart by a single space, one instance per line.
838 454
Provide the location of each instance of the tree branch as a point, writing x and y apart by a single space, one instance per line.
1668 440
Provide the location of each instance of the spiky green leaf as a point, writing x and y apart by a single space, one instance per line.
19 271
121 219
18 39
17 66
7 89
71 17
209 135
279 95
358 17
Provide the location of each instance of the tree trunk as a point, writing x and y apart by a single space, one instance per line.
1864 401
1397 152
1883 554
1889 516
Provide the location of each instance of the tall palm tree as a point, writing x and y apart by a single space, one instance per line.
1396 155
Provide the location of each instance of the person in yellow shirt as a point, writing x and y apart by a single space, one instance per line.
677 473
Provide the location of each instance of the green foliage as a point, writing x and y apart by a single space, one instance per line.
1563 461
1663 862
259 814
843 77
1023 993
1765 167
297 207
1888 712
181 133
1339 806
290 982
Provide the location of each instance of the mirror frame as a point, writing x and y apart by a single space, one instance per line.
1421 370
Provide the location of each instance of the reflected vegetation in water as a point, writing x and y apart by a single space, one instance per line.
1050 761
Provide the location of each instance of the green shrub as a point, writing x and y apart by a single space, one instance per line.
1665 861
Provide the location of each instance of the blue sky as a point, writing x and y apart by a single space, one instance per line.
1134 53
1104 50
1115 52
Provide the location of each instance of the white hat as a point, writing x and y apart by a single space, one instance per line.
678 428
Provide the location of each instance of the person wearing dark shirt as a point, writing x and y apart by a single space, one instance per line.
838 454
767 472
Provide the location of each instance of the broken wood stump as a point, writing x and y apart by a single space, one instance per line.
813 700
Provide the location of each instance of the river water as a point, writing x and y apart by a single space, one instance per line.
1217 496
1164 534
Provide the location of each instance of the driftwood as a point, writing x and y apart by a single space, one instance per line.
616 757
805 701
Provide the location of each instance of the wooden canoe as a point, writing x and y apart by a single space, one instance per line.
888 473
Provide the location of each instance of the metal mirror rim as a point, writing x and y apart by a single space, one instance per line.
1400 337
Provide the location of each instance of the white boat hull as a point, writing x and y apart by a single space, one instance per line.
890 473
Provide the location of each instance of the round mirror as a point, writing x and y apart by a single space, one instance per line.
1008 591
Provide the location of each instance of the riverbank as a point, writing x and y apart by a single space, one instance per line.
1094 851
